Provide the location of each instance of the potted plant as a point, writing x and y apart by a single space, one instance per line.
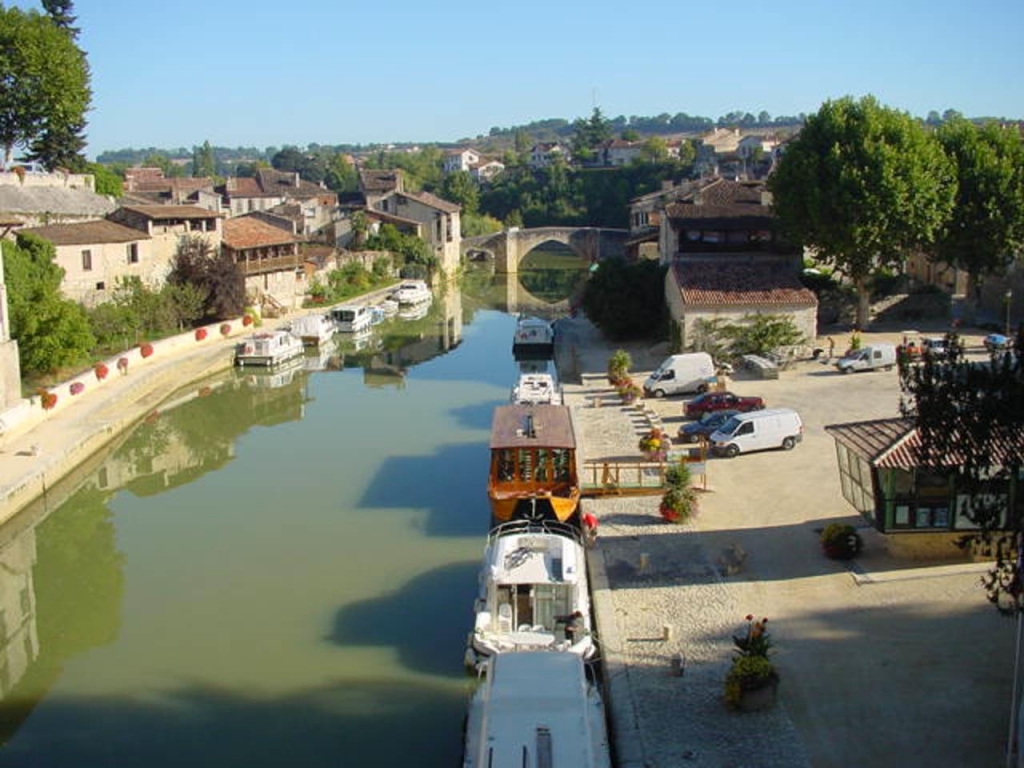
101 371
225 329
76 388
629 391
840 541
49 400
679 501
146 349
618 367
200 334
752 681
655 444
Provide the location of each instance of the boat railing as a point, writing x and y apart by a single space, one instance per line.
515 527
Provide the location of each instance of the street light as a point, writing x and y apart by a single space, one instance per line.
1008 297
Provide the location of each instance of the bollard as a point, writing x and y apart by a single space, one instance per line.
666 632
644 561
678 666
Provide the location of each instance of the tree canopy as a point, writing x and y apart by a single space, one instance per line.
626 301
44 88
986 226
861 185
52 332
215 275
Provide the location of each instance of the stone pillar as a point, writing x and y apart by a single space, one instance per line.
10 368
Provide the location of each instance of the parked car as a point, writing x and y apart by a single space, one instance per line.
997 342
934 345
721 401
692 431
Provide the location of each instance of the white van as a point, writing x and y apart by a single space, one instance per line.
868 359
758 431
692 372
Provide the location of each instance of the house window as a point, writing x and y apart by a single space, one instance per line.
133 253
100 286
86 260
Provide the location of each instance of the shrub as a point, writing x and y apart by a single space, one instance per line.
841 541
247 319
77 388
748 673
679 502
101 371
49 400
618 367
200 334
146 350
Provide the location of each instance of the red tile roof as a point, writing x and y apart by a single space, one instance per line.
164 212
433 201
716 282
249 232
724 199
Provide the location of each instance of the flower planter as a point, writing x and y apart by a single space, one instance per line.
758 698
200 334
246 320
225 329
101 371
146 350
49 400
77 388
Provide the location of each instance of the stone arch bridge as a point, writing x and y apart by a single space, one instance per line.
509 247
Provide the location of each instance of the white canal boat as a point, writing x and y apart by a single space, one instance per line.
536 710
314 329
352 318
536 389
411 292
268 348
533 593
534 339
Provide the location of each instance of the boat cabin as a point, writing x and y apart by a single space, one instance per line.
533 471
352 318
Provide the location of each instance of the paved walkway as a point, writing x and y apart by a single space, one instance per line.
885 663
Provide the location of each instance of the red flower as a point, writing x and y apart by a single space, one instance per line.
200 334
246 319
101 371
77 388
225 328
49 400
146 349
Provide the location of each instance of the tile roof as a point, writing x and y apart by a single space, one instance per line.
250 232
714 282
371 180
433 201
56 201
87 233
896 444
164 212
724 199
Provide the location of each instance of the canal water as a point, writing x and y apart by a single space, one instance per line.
271 569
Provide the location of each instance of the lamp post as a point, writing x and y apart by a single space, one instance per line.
1008 297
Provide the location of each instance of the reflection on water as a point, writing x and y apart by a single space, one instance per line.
275 567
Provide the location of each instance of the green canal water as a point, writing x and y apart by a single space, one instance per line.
273 569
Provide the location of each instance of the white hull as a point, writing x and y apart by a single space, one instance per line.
534 338
268 349
536 709
533 593
536 389
412 292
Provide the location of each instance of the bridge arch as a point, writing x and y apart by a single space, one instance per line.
511 246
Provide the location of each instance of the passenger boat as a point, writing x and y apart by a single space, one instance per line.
411 292
314 329
533 593
268 348
534 338
536 389
352 318
533 463
536 710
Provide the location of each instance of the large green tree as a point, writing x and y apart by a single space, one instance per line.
626 301
52 332
44 88
214 274
968 416
986 227
589 135
861 185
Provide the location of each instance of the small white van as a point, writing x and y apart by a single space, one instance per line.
691 372
868 359
758 431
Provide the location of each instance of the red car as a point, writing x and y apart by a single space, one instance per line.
720 401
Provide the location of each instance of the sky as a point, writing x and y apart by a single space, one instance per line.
270 74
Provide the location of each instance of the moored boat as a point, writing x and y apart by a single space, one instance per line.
314 329
268 348
352 318
533 593
536 389
533 338
533 463
536 710
410 292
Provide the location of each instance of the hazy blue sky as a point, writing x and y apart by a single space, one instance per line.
262 73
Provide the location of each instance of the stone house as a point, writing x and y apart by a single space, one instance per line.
36 199
547 153
460 160
268 256
133 241
486 170
270 188
726 259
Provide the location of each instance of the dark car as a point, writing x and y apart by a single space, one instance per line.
702 428
721 401
997 342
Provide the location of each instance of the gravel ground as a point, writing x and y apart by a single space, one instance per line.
883 662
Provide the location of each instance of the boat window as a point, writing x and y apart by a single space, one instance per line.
526 464
561 462
543 465
506 464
